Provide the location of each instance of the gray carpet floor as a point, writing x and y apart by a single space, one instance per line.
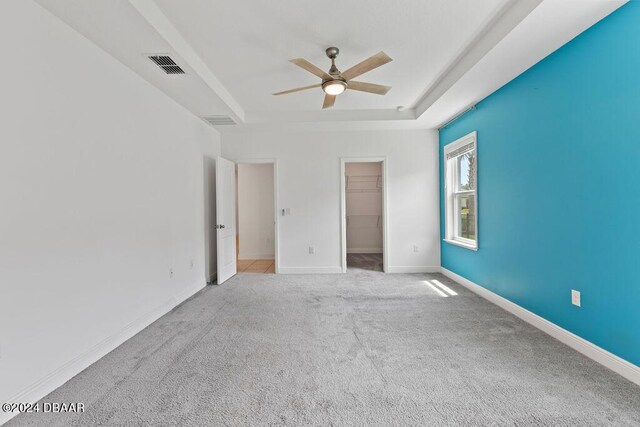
363 348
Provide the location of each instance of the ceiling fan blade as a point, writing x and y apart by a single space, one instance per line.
367 65
329 100
298 89
368 87
303 63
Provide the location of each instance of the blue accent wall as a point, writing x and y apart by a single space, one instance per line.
559 186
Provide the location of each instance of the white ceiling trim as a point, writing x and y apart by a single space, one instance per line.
511 39
524 46
330 116
505 20
157 19
315 126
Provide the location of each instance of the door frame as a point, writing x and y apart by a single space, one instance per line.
343 208
276 220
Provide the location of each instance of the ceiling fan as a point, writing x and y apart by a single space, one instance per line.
335 82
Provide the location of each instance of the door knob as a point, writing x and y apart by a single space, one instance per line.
219 226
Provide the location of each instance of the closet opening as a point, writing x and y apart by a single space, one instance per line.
363 216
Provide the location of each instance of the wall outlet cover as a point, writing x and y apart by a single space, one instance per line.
575 297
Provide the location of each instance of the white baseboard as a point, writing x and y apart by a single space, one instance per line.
64 373
598 354
364 250
309 270
242 256
413 269
332 270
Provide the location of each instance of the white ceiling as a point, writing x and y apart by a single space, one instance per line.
249 45
447 54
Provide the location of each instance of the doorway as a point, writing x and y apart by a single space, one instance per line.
363 215
256 230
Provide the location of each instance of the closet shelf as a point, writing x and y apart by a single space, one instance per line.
363 183
364 221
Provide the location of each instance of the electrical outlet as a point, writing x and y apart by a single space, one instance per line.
575 297
415 248
171 273
312 250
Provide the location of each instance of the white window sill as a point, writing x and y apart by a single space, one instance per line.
461 244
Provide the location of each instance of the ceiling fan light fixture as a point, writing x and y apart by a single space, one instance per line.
334 87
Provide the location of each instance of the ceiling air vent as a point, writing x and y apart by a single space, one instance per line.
219 120
167 64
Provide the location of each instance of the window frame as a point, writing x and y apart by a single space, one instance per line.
452 193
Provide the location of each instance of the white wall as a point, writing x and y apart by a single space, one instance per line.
255 211
102 192
363 199
309 185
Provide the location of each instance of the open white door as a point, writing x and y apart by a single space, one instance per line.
226 218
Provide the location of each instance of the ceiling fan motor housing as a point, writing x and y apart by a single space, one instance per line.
337 81
332 53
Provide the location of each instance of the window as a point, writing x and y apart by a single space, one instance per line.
461 208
